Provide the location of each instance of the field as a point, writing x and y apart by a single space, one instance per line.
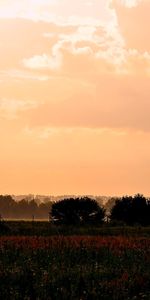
44 228
80 266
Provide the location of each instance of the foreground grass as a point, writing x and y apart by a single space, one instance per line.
75 267
45 228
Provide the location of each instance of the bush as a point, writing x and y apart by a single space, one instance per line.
77 211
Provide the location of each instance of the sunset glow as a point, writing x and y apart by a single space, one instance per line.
75 97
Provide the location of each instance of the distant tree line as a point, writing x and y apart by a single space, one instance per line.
23 209
127 210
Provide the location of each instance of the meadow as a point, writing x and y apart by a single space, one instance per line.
109 263
45 228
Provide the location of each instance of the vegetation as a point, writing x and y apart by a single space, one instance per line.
132 210
79 256
45 228
71 268
127 210
77 211
24 209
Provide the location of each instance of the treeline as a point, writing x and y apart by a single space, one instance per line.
127 210
23 209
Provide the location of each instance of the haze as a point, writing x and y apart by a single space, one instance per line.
74 97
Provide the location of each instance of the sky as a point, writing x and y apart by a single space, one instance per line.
74 97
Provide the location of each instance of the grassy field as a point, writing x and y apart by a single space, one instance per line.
44 228
41 261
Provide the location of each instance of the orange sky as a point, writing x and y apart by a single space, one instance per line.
75 96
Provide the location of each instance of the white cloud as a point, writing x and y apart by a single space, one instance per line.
81 12
44 61
104 42
130 3
86 16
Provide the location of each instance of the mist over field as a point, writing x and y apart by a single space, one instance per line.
34 206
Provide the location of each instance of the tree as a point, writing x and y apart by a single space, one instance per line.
122 210
131 210
77 211
140 210
6 206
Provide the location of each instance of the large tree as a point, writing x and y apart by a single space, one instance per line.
77 211
131 210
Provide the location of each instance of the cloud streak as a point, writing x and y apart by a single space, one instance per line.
10 108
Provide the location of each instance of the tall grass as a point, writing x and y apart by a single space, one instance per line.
75 267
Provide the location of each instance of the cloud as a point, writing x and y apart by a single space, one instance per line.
87 75
110 103
102 83
10 108
45 133
22 75
75 95
44 61
79 12
134 24
22 38
102 42
129 3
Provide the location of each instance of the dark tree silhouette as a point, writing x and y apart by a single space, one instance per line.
140 210
122 210
77 211
131 210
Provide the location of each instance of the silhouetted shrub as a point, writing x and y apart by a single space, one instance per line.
131 210
77 211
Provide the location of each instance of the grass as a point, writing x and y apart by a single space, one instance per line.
108 268
40 261
44 228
